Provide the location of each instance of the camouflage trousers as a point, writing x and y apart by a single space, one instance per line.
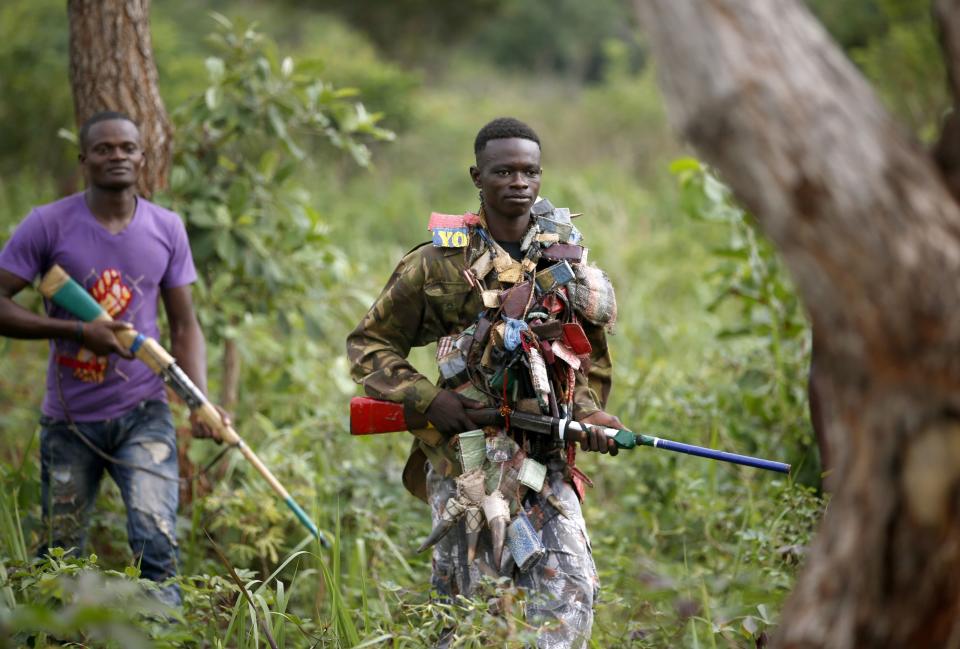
561 587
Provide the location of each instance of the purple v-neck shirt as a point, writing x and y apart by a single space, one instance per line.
125 273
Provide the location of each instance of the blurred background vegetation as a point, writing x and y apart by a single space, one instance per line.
295 228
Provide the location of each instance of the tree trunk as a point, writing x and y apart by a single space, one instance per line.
112 68
230 387
869 229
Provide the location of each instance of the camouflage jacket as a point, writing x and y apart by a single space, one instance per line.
432 295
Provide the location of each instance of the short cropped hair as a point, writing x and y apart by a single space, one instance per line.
102 116
503 128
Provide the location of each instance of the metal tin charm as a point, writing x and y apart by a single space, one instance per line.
541 207
453 367
557 275
524 543
564 251
500 448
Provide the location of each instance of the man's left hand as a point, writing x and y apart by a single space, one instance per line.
595 440
199 428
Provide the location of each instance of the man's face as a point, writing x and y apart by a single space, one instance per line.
112 156
508 174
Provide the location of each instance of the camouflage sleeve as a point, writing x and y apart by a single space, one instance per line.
378 347
592 390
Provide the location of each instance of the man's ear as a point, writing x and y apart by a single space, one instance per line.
475 175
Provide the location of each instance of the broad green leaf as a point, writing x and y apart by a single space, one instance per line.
212 97
215 69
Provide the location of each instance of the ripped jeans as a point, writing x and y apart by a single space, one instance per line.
71 473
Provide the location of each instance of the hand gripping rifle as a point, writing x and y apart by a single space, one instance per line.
66 293
372 416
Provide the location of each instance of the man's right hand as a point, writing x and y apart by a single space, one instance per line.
99 337
448 413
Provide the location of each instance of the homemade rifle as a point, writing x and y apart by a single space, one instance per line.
66 293
373 416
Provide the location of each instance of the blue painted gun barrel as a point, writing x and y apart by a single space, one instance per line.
628 439
700 451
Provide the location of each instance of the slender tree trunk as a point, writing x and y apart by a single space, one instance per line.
870 231
112 68
230 387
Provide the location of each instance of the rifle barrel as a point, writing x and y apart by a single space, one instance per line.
371 416
735 458
629 439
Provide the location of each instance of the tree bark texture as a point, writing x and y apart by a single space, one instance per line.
112 68
871 234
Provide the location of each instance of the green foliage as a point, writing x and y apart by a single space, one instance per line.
906 67
36 165
62 599
564 37
851 22
771 361
35 90
690 552
412 29
254 234
386 88
894 42
697 560
179 29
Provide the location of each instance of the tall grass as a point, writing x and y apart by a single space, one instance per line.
690 553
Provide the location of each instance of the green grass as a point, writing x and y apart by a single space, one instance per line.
690 553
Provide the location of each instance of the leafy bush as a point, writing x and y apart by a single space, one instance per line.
772 357
254 234
690 552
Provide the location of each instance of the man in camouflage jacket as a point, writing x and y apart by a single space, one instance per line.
519 319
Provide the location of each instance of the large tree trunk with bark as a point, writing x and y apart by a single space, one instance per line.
112 68
871 233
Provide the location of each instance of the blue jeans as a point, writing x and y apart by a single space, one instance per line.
71 473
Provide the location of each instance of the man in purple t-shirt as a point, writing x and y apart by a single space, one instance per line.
104 410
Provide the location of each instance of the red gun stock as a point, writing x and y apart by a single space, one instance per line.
373 416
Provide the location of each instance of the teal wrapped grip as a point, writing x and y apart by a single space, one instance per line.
77 301
625 439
